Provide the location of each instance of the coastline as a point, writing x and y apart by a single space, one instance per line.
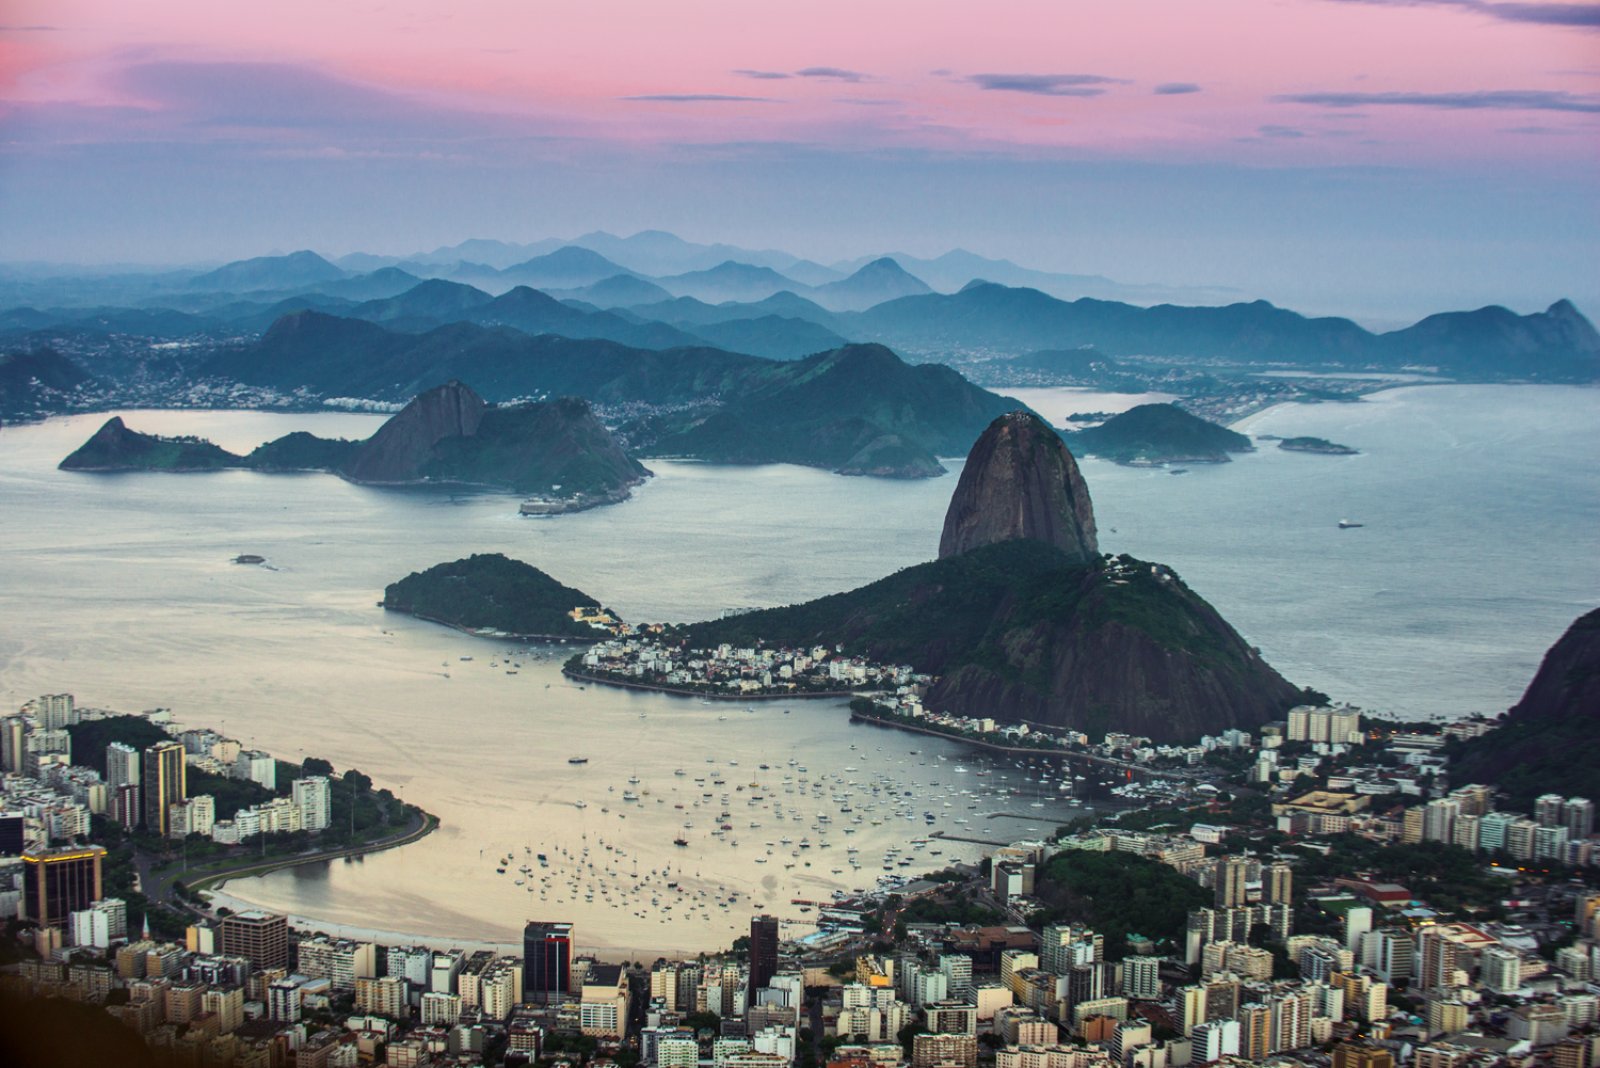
219 879
1009 750
675 691
477 632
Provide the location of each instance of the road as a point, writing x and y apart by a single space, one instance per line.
156 883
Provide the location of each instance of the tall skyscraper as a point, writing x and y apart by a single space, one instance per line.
1230 882
56 883
1277 884
164 785
547 962
763 953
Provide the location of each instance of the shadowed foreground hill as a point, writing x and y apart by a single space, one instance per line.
1546 741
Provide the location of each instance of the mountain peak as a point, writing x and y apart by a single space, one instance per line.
1020 481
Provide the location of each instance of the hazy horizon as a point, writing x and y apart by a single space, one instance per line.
1367 157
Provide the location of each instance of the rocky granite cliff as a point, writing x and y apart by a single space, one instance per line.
1023 621
397 452
1020 482
1538 747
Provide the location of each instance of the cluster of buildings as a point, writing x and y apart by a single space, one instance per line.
727 670
1278 967
50 872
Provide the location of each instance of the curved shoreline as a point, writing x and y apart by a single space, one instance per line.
264 866
551 639
676 691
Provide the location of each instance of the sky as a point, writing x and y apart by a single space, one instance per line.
1378 157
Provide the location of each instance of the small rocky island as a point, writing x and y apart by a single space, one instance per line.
1154 434
1321 445
494 595
449 436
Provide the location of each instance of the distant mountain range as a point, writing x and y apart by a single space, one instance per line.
598 291
857 409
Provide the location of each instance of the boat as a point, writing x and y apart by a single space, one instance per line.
681 842
577 760
1347 524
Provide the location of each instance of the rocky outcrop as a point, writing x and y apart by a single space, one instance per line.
1020 481
115 447
397 452
1157 434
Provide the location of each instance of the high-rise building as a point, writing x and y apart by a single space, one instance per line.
13 833
1141 978
122 765
164 783
1214 1040
57 883
1357 922
55 711
1439 820
261 937
1230 882
1492 830
1255 1031
312 799
1547 810
547 963
1577 814
1500 969
957 969
1277 884
13 742
763 953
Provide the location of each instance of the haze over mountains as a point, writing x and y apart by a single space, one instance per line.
383 328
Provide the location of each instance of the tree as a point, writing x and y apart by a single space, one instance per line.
316 766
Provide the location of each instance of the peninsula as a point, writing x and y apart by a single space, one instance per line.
447 436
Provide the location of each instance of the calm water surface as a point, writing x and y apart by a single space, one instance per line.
1481 514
